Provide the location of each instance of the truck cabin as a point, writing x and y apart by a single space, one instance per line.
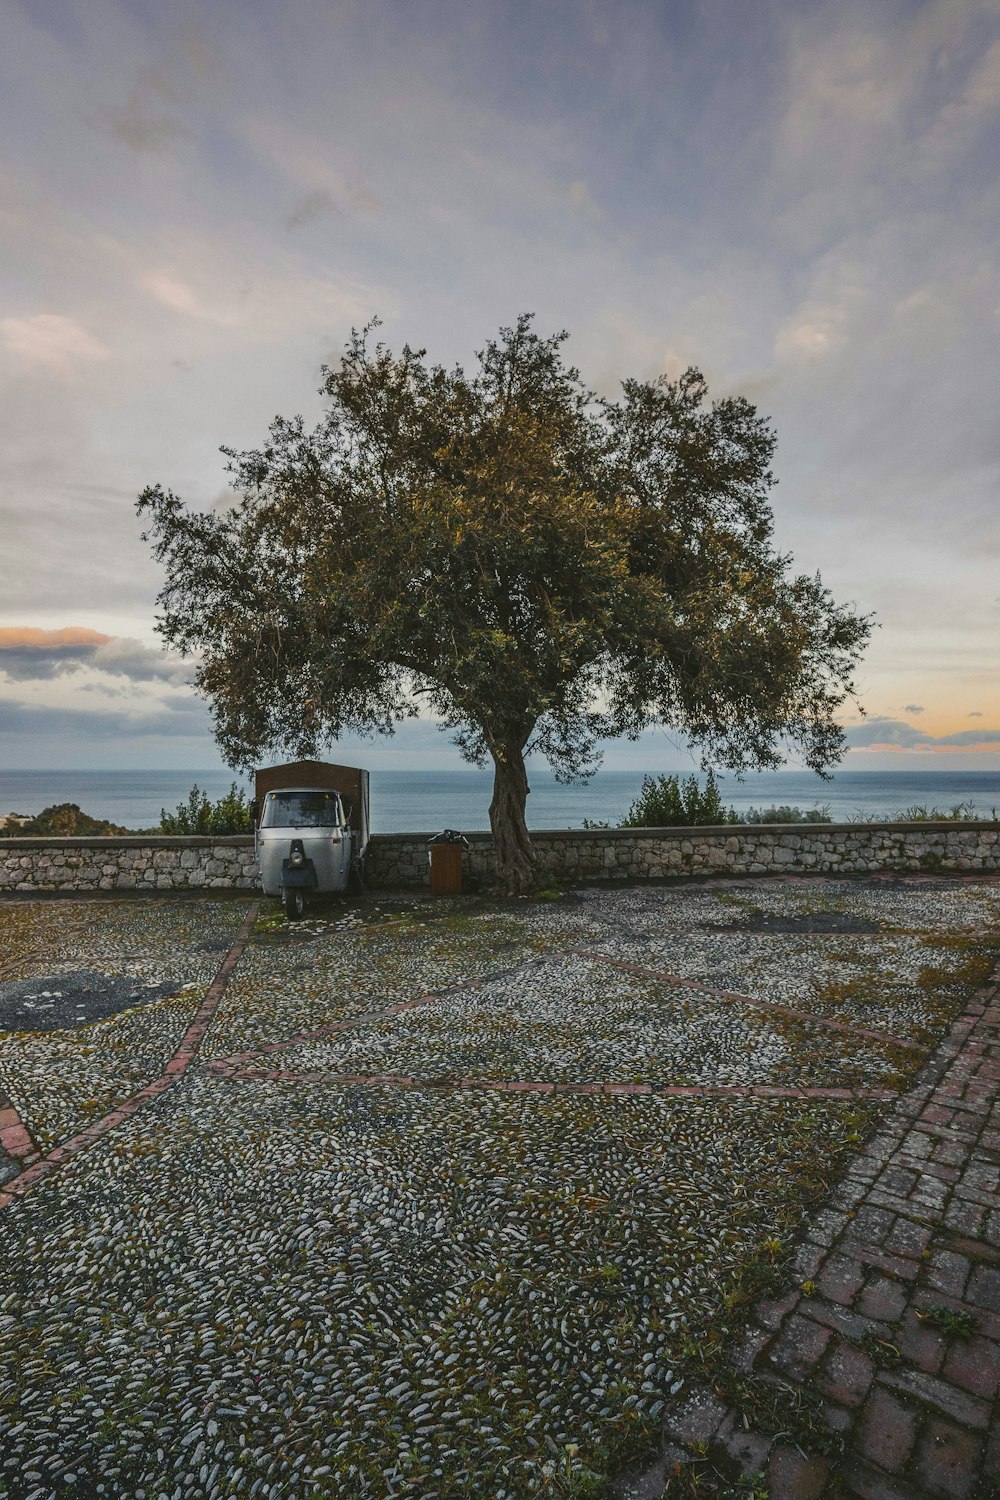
304 807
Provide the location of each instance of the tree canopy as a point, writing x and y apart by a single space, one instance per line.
541 568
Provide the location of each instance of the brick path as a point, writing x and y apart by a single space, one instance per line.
914 1226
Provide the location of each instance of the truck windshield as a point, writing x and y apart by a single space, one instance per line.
301 810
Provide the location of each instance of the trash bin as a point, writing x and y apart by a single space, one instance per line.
444 851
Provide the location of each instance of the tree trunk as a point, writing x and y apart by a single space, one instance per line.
515 856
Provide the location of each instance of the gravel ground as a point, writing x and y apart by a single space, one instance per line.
72 931
925 906
573 1020
347 1292
902 983
61 1081
282 990
275 1288
95 997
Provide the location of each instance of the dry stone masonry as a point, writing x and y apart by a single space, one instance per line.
567 856
632 854
127 864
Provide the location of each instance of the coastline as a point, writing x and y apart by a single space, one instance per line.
410 801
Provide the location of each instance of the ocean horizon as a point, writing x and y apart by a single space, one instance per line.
425 801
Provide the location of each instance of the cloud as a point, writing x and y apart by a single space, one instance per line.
50 341
138 126
913 708
188 717
972 109
28 654
975 714
970 737
310 162
124 657
778 184
862 94
35 639
152 117
580 197
313 206
817 329
894 734
885 732
173 293
226 307
230 297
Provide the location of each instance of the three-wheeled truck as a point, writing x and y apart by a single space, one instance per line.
311 830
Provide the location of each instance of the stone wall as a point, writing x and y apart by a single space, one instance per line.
127 864
659 854
399 861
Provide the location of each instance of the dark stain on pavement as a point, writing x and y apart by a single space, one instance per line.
58 1002
810 921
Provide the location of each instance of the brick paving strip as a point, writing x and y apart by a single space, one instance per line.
15 1139
788 1012
913 1228
185 1054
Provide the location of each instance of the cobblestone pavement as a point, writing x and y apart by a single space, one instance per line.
888 1339
439 1201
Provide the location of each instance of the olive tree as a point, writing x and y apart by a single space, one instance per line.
538 568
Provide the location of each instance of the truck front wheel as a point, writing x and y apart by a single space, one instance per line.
294 902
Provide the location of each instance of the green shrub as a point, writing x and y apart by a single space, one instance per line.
962 812
63 820
668 802
233 813
787 815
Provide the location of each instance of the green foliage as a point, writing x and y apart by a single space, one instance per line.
63 820
785 814
957 1321
233 813
669 802
538 567
880 1351
962 812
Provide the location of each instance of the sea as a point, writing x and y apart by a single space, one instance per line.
428 801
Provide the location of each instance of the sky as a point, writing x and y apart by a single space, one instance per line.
198 202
